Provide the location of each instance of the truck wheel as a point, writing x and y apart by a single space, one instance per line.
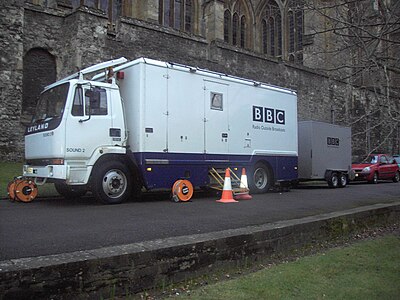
260 180
342 180
333 180
112 182
374 179
396 177
70 191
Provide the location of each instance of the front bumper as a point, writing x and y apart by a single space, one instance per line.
360 176
45 172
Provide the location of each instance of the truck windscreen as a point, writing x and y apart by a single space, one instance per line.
51 104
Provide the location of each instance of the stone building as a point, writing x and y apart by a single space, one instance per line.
299 44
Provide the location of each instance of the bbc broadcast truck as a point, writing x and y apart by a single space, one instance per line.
142 125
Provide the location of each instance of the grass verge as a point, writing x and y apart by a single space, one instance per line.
365 270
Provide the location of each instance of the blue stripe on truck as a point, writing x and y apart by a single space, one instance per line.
166 168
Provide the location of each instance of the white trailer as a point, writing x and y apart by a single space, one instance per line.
324 153
147 123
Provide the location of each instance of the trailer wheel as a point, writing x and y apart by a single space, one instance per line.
70 192
260 180
112 182
333 180
342 180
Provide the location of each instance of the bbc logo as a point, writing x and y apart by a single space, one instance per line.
268 115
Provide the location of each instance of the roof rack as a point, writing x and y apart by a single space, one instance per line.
101 66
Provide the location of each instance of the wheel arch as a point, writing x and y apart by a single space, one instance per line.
267 164
132 166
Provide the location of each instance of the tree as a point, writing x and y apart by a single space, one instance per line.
358 42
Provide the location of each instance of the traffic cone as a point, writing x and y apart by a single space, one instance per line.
227 195
244 186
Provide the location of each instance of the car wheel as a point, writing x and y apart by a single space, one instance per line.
375 178
396 177
261 179
112 182
333 180
342 180
70 191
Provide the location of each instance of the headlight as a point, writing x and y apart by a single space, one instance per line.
366 170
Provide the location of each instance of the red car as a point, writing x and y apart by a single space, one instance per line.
375 167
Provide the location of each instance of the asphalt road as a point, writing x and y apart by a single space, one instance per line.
52 226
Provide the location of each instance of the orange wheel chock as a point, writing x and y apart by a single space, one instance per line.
22 190
182 190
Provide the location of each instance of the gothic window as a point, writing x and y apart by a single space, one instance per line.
127 8
295 31
112 8
278 25
264 36
291 31
188 16
176 13
227 26
235 25
299 30
272 30
242 31
271 23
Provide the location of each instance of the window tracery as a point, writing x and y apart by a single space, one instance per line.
177 14
236 30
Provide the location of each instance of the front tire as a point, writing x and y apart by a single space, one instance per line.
112 182
375 178
261 179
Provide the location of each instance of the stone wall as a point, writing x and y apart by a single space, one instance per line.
11 53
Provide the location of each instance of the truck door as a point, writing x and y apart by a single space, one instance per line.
89 122
185 114
216 129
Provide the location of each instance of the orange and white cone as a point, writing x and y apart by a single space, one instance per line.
244 186
227 194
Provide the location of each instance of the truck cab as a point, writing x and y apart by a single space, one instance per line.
76 122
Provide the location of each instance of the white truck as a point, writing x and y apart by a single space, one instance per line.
144 124
324 153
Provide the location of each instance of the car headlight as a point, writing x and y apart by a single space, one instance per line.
366 170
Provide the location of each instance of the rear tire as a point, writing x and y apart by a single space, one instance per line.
70 191
112 182
396 177
342 180
260 179
333 180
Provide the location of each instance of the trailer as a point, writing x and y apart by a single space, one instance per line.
142 125
324 153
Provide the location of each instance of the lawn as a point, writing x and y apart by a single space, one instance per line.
365 270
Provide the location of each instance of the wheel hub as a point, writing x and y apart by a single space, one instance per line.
260 178
114 183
